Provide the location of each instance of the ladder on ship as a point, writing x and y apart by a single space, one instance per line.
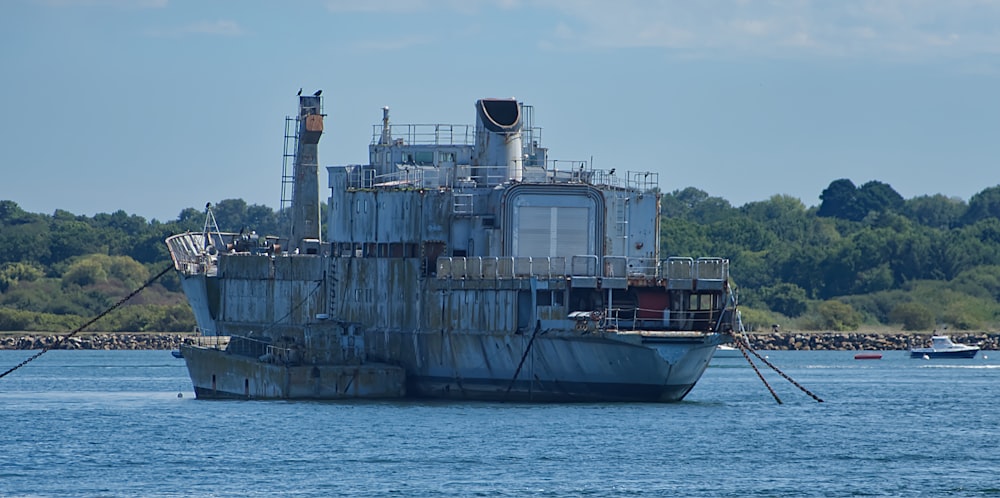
288 165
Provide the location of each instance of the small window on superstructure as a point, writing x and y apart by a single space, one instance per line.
424 157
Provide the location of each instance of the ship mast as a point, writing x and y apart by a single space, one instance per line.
305 221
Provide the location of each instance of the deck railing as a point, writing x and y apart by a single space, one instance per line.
681 272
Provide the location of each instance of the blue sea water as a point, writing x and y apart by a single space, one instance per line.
125 423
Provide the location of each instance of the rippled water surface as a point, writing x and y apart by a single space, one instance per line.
125 423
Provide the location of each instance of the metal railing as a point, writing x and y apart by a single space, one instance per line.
426 134
685 271
208 341
500 268
247 346
194 253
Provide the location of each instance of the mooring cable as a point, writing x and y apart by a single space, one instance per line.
538 326
91 322
789 379
743 349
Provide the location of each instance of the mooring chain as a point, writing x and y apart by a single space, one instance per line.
741 340
89 323
789 379
743 349
523 357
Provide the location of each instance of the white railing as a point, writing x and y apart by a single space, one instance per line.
499 268
426 134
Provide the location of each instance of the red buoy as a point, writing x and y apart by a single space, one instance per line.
868 356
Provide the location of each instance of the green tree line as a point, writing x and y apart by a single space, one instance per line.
864 256
58 271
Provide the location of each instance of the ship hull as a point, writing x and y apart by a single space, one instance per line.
483 367
217 374
456 265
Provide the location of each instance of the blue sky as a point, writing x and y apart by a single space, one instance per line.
153 106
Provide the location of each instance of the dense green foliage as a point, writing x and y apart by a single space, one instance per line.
58 271
864 256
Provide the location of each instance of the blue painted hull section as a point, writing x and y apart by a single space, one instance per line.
971 353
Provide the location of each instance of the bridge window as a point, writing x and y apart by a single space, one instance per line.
424 158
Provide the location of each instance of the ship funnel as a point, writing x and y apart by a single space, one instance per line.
305 187
498 137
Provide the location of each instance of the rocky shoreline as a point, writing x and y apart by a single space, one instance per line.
805 341
858 341
109 341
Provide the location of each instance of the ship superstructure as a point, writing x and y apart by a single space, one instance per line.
460 262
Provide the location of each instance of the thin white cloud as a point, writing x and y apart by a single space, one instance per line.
883 28
407 6
378 6
221 27
125 4
384 44
846 27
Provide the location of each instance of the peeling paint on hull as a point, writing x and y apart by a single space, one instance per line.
460 263
550 372
216 374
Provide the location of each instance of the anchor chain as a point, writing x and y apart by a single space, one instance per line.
789 379
744 344
89 323
743 349
527 350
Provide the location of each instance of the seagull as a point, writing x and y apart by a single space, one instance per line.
317 93
300 92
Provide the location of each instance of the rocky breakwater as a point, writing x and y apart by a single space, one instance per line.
854 341
794 341
96 341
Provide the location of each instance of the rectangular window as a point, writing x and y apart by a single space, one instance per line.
424 157
701 302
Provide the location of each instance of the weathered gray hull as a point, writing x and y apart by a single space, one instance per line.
561 368
460 263
217 374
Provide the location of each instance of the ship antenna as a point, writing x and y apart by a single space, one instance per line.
210 227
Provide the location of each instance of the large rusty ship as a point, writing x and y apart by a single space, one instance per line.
460 263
